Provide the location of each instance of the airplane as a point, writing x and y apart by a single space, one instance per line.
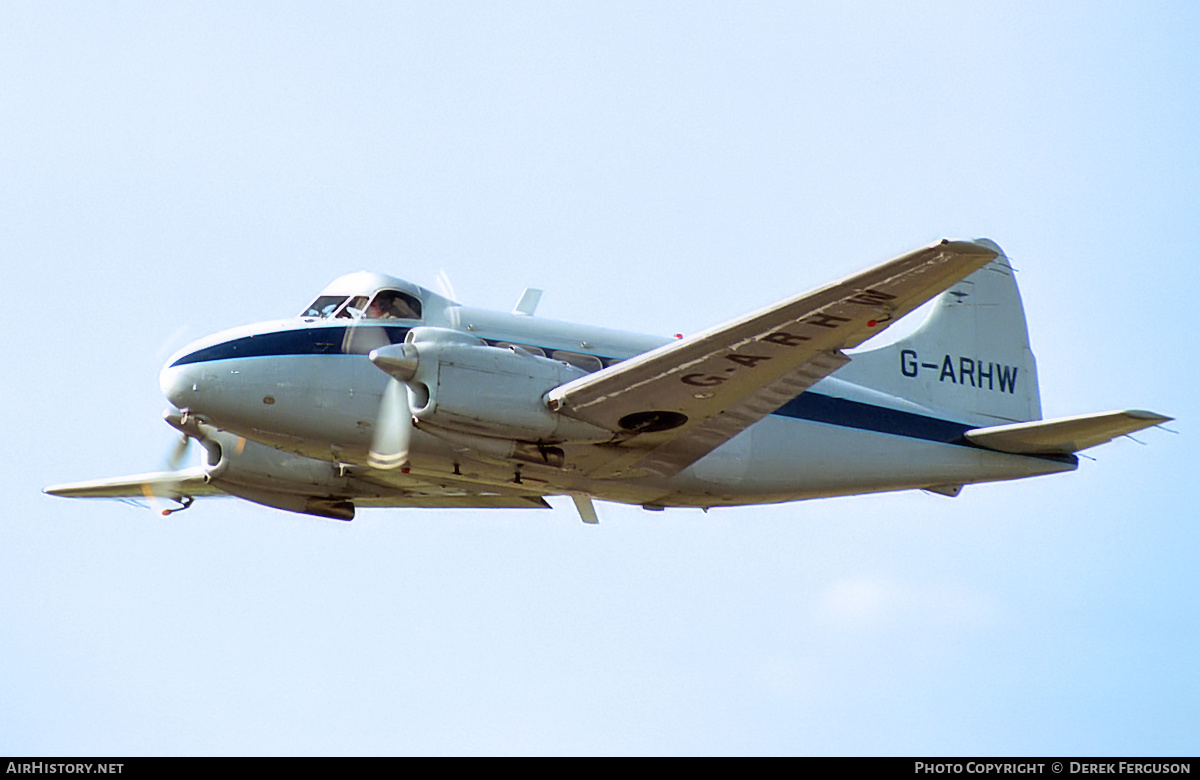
382 393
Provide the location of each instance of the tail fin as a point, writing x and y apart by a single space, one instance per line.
970 359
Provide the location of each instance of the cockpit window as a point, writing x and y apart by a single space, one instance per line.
387 305
394 305
355 308
324 306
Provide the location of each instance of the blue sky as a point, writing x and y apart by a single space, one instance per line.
170 170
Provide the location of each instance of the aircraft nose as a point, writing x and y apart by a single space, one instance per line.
179 384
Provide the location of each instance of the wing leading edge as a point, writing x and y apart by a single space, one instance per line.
671 406
166 484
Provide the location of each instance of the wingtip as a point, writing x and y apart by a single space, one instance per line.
979 246
1154 418
64 490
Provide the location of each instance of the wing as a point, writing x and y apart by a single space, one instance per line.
387 488
164 484
672 405
1063 435
191 482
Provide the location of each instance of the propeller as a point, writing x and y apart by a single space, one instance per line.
155 492
393 428
394 422
179 452
447 290
444 286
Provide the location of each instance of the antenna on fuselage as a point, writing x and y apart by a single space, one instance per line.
529 301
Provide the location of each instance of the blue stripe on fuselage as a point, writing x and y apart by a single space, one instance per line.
303 341
817 407
810 406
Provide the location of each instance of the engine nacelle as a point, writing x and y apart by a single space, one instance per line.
267 476
458 383
231 460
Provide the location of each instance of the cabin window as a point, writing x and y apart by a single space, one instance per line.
521 347
324 306
588 363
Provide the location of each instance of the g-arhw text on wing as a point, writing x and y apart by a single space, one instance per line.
672 405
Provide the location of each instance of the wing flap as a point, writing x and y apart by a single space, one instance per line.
462 502
1063 435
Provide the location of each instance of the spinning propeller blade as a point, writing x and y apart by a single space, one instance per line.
179 452
447 290
393 428
155 493
394 423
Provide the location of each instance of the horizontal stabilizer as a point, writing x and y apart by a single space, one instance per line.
187 482
1064 435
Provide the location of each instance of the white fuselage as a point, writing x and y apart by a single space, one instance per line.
306 386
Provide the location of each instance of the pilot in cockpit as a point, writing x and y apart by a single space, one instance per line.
393 305
387 305
378 310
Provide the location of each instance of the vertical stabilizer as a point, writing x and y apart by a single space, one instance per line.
970 360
